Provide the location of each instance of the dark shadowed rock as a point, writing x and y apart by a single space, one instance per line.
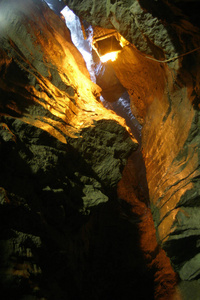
165 98
62 155
67 230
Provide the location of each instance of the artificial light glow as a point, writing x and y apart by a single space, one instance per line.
109 56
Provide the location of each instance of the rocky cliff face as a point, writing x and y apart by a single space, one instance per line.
74 224
62 155
160 70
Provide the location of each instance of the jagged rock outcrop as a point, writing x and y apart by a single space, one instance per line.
62 155
146 24
166 102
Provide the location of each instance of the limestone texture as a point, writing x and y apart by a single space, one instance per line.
148 25
160 70
62 155
75 216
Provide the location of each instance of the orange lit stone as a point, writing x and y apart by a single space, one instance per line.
109 56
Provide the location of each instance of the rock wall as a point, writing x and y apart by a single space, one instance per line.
62 155
165 98
146 24
67 229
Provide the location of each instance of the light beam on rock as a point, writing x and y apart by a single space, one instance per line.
109 56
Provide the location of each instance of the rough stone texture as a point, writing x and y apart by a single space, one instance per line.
149 25
133 189
106 78
62 155
137 74
167 102
64 231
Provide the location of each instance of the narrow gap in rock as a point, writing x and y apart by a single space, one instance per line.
75 213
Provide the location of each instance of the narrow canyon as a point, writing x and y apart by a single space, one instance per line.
99 150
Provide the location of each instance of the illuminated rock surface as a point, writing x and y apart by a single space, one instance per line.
74 224
62 155
165 99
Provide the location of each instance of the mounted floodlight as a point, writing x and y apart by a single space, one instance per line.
107 48
106 43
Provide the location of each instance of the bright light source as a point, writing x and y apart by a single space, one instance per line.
109 56
107 43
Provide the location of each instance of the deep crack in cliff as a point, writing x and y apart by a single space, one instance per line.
76 196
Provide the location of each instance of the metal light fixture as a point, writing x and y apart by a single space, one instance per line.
106 43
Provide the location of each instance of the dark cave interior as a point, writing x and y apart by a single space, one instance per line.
99 179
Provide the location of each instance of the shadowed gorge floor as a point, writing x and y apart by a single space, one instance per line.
97 203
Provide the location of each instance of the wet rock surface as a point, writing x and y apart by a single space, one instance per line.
70 228
64 232
167 104
149 25
62 155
